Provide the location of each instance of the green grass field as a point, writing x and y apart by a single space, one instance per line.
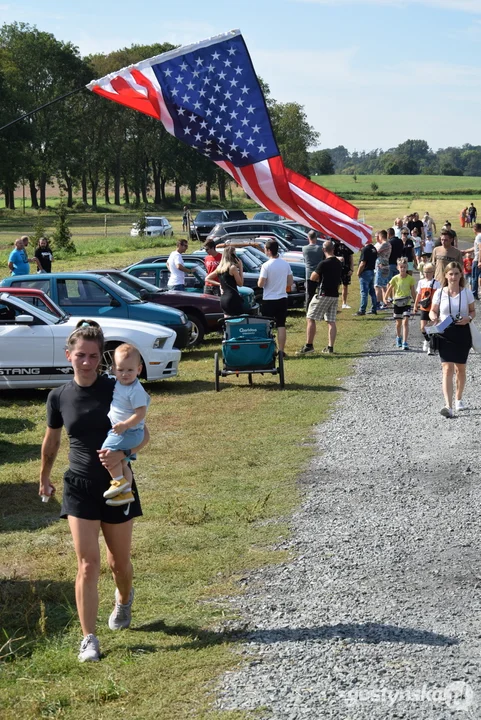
397 184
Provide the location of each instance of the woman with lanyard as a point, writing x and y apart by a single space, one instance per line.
454 301
81 405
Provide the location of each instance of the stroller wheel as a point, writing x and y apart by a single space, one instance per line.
281 370
216 371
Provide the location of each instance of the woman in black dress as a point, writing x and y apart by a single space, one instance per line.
81 405
454 301
229 275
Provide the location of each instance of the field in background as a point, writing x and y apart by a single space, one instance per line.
394 184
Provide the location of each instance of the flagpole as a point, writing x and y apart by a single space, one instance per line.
32 112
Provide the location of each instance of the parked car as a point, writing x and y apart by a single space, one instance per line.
155 227
203 311
158 274
206 219
84 294
33 344
290 236
266 215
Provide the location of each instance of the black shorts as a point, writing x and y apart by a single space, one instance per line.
402 310
346 278
425 315
276 309
83 498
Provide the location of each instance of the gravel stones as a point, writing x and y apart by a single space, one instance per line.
379 615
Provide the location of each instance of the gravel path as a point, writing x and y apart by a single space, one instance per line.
379 615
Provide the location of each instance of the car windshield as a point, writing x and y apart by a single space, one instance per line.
207 216
199 271
124 294
250 264
28 309
130 283
154 221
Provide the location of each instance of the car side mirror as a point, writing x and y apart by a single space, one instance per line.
24 319
144 293
114 303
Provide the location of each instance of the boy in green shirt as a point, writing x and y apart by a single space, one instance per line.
402 288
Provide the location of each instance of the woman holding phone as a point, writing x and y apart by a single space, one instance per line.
454 301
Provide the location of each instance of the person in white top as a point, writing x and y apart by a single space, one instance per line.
453 301
274 279
177 268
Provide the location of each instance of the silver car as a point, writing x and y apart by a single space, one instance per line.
155 227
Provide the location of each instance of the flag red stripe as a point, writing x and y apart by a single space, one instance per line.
322 194
127 96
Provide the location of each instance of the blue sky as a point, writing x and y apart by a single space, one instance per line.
370 73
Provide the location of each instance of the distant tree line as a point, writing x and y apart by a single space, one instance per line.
412 157
90 145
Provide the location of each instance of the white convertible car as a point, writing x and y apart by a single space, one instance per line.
32 345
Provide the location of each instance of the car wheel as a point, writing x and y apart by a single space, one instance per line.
198 330
108 358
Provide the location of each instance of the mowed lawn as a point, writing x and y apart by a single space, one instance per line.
400 183
217 483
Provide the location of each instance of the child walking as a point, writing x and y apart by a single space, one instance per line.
424 298
402 288
468 269
127 415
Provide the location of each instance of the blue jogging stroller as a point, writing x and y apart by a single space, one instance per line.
248 348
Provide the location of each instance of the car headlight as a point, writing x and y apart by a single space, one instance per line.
158 343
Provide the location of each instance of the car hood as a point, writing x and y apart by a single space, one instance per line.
118 324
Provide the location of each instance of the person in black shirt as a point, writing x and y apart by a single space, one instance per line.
346 255
44 255
81 405
408 250
323 306
365 273
397 249
415 222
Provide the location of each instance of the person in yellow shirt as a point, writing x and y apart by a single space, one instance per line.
402 289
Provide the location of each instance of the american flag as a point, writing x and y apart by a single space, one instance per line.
208 96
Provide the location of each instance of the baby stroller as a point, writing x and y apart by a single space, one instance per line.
248 348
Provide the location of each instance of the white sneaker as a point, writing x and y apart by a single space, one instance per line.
121 617
89 649
431 351
460 405
345 306
425 346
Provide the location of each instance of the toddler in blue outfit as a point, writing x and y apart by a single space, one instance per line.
127 415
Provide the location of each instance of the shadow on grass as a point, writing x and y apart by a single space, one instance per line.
17 452
34 609
180 387
359 632
22 508
12 426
